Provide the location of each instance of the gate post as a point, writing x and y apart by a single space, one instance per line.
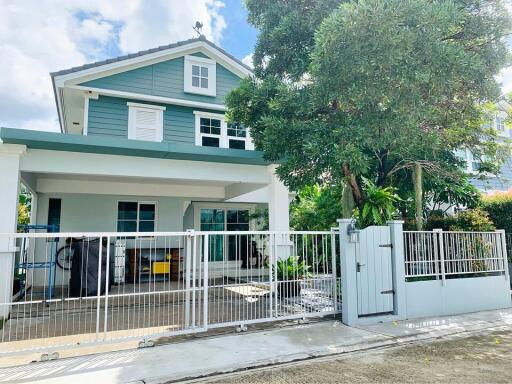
398 264
348 274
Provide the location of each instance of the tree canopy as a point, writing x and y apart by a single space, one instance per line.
347 90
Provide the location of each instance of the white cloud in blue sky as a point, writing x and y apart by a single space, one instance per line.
41 36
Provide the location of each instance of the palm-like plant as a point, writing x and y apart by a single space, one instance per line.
379 205
291 268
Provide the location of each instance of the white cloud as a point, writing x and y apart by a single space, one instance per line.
247 60
41 36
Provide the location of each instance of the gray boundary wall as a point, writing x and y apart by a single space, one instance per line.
417 299
456 296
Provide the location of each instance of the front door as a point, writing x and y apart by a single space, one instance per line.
374 272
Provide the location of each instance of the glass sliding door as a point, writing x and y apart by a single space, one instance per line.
220 219
238 245
214 220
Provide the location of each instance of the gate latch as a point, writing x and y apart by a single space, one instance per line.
359 265
388 292
386 245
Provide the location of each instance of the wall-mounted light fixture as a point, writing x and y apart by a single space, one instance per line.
353 233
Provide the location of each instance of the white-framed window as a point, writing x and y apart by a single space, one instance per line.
499 124
473 163
136 216
145 122
212 130
200 76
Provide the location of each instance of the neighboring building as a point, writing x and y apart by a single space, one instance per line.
144 147
503 181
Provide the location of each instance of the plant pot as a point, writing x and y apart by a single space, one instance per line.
288 289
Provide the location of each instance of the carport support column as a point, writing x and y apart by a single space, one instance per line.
348 274
9 194
278 213
396 228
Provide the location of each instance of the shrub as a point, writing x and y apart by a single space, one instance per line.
379 205
468 220
499 207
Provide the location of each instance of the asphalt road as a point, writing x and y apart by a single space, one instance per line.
482 358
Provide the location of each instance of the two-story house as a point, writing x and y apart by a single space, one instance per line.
144 147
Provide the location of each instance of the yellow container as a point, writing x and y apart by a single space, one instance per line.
160 267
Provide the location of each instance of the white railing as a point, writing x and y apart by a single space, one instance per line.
449 254
81 288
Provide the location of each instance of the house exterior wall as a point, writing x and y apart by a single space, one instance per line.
98 213
108 116
165 79
502 182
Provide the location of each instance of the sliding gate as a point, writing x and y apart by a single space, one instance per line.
161 284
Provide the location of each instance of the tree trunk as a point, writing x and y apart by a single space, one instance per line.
347 202
418 195
354 186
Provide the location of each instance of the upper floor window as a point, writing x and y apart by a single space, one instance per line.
200 76
212 130
145 122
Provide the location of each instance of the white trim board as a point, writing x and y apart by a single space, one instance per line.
156 99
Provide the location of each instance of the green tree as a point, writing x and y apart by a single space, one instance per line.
316 208
377 88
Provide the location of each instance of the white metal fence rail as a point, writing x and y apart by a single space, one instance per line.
78 289
448 254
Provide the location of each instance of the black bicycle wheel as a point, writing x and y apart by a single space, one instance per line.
65 257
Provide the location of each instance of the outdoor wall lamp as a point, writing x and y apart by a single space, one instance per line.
353 233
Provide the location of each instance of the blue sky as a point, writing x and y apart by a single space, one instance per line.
240 37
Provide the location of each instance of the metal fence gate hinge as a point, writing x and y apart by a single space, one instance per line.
386 246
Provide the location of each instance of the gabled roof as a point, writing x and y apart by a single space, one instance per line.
146 52
73 76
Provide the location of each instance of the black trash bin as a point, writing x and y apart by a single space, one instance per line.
83 280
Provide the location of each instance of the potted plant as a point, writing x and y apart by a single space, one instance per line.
288 274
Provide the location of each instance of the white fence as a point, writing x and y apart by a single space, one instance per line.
448 254
77 289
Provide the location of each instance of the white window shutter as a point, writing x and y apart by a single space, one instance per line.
145 124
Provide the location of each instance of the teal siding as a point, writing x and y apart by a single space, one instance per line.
165 79
108 116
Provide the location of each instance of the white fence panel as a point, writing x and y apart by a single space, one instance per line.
450 254
84 288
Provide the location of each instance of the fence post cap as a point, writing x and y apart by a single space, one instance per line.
437 230
395 222
345 221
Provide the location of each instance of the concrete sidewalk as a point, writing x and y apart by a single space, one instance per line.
229 353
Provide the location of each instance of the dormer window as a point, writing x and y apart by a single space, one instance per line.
200 76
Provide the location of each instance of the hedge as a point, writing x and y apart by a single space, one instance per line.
499 207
